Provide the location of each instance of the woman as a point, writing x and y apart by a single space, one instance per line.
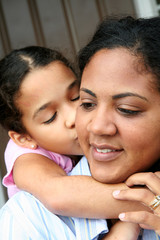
118 119
118 97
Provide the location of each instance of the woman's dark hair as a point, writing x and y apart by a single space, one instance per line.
13 69
140 36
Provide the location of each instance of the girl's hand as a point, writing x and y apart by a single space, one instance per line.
123 231
150 196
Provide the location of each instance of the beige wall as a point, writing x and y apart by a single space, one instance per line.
122 7
65 24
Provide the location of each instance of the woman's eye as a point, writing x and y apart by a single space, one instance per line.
87 105
51 119
75 99
128 111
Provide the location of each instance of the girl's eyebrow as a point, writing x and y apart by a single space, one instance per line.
74 83
128 94
44 106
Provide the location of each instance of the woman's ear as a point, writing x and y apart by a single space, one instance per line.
23 140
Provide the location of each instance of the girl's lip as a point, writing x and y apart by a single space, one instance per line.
105 153
76 138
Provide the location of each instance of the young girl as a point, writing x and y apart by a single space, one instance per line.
39 95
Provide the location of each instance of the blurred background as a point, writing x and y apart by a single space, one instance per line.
62 24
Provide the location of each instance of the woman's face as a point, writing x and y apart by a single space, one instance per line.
118 119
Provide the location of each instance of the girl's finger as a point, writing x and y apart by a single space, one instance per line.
151 180
145 219
143 195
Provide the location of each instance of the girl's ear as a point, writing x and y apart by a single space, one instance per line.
23 140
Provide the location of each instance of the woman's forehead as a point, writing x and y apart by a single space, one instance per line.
120 70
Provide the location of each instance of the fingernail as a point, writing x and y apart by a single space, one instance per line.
121 216
115 193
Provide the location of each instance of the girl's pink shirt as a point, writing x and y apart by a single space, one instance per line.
13 151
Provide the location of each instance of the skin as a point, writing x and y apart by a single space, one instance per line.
119 112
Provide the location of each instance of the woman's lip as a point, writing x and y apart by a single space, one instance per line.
104 146
105 154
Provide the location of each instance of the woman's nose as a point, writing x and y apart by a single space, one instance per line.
102 124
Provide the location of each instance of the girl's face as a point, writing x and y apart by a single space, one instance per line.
48 102
118 119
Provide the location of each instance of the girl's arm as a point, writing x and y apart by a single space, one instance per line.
79 196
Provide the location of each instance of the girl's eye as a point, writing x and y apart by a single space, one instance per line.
87 105
128 111
51 119
75 99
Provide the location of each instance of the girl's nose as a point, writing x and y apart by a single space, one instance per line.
70 117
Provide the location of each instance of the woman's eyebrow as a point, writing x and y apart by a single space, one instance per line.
89 92
128 94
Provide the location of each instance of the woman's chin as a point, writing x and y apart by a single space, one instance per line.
104 177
